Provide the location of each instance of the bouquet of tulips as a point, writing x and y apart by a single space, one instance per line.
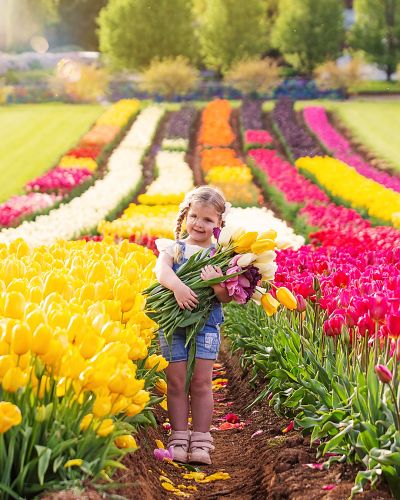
246 260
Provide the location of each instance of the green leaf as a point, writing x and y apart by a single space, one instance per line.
44 455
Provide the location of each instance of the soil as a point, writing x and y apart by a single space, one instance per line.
270 465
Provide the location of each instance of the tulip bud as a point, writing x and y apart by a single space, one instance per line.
245 259
286 298
301 303
383 373
333 326
125 441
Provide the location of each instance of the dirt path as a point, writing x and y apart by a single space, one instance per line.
270 464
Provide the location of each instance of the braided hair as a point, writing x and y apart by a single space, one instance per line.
203 194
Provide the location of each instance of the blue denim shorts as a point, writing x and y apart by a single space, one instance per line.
207 344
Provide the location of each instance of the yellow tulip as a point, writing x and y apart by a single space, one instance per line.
269 304
133 409
41 339
243 243
102 406
86 422
105 428
13 379
35 318
271 234
125 293
161 386
21 339
14 306
263 245
10 416
6 362
286 298
141 398
75 462
125 441
155 360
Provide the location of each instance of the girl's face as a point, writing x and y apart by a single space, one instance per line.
200 222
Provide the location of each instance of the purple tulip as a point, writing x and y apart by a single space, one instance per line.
161 453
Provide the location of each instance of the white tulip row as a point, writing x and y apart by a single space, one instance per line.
176 144
174 174
83 213
262 219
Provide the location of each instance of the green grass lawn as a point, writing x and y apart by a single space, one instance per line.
35 136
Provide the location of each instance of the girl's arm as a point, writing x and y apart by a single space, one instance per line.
210 272
185 296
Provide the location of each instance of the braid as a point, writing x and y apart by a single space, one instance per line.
178 255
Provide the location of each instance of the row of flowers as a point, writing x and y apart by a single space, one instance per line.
345 184
122 179
336 144
251 123
73 169
179 129
221 165
74 361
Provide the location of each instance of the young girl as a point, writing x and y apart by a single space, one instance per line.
204 209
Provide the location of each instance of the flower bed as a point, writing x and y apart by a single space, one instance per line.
316 119
178 129
82 214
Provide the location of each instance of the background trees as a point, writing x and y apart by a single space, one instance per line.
309 32
133 32
377 32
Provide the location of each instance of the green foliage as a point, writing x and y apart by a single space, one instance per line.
76 23
309 32
377 32
134 32
254 76
328 383
232 30
169 77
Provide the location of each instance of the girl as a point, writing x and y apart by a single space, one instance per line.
204 209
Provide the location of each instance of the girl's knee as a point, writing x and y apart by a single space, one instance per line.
175 384
200 386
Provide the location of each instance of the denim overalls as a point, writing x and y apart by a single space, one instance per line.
207 340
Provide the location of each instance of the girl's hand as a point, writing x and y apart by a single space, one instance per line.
185 296
210 272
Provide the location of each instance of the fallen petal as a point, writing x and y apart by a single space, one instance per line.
257 433
329 487
289 427
315 466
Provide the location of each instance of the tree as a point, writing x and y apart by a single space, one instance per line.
309 32
76 23
134 32
232 30
377 32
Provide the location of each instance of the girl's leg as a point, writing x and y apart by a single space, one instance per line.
201 396
177 398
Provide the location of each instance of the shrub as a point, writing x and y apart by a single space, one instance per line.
81 82
331 76
254 76
169 77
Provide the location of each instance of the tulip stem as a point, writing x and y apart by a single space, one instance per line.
395 406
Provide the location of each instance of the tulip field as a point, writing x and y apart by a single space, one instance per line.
82 384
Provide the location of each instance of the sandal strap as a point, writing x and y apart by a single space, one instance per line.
205 445
178 442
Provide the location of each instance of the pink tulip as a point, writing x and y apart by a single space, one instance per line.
393 324
161 453
383 373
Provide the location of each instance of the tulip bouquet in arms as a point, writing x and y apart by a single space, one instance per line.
246 259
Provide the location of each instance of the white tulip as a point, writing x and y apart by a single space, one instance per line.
226 235
265 257
268 270
246 259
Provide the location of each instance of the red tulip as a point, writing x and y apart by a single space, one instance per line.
393 324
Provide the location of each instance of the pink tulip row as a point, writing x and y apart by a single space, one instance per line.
359 290
284 177
59 180
317 120
18 206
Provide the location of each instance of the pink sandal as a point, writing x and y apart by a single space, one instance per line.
179 440
200 448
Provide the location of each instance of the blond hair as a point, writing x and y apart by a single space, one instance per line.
206 195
